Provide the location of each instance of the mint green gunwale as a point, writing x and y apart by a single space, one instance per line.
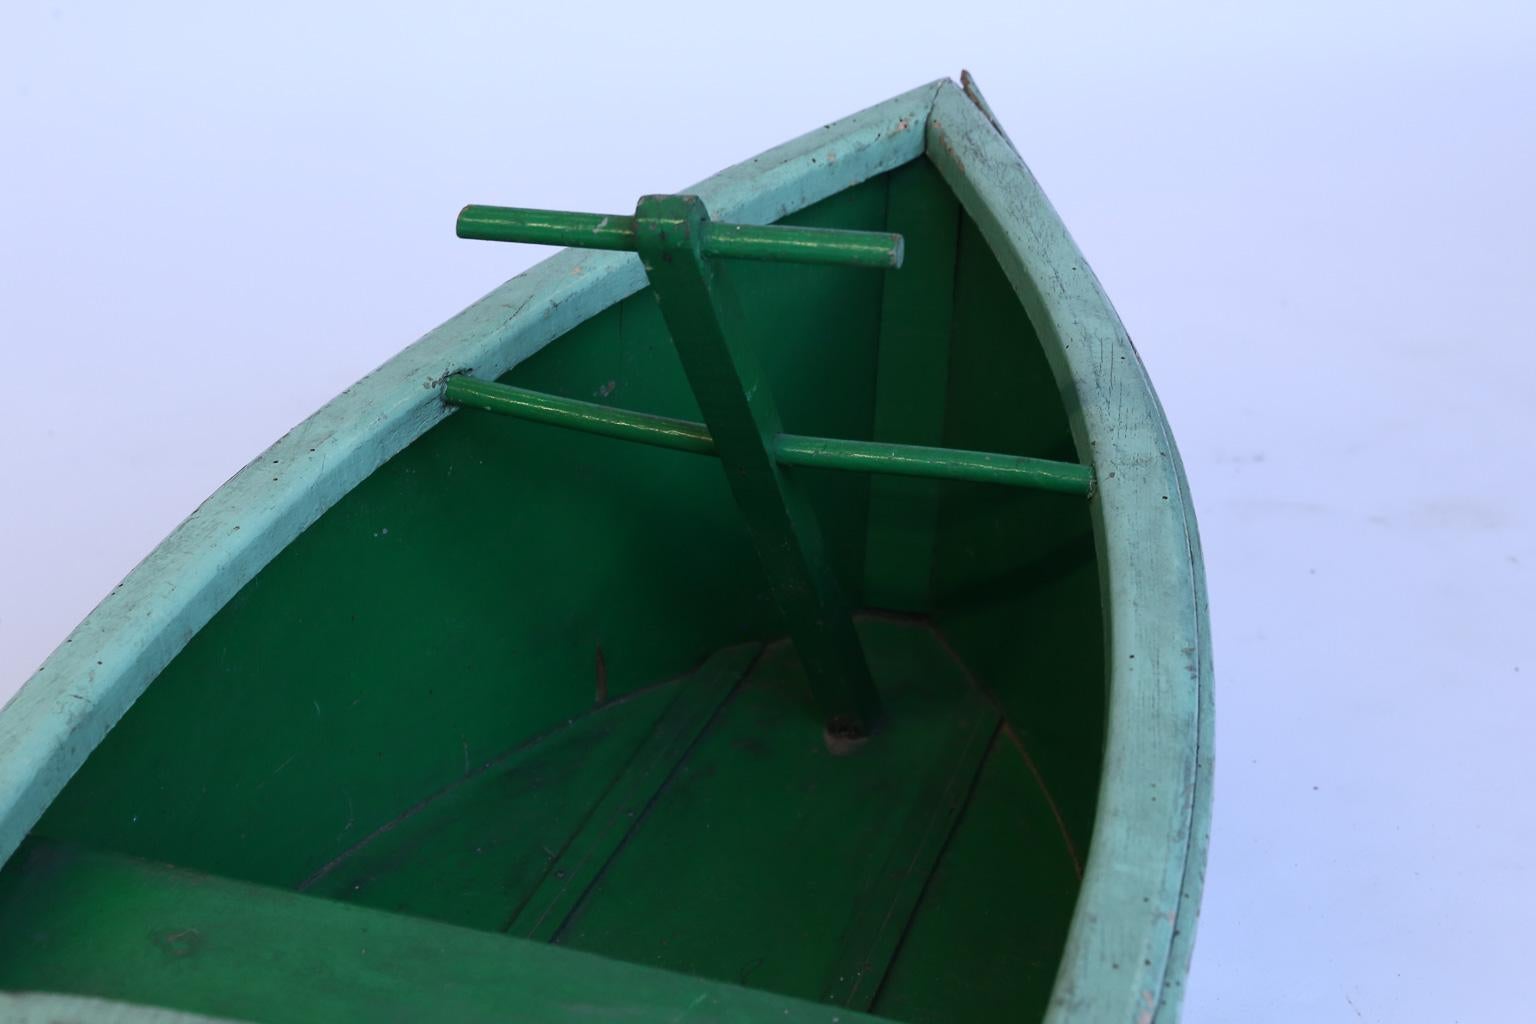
1132 929
59 716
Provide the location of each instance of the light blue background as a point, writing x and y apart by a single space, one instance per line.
1317 221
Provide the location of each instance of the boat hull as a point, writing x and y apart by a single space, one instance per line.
395 607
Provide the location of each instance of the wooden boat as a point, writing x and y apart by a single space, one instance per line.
874 681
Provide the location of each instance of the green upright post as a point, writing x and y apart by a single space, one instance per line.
738 407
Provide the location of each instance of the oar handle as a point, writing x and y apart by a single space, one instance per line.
775 242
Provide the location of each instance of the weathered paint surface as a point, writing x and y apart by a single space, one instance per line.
1129 941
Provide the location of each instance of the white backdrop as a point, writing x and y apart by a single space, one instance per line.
1317 222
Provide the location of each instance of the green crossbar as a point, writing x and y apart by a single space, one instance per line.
678 244
789 449
777 242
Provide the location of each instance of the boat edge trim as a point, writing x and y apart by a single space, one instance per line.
1132 929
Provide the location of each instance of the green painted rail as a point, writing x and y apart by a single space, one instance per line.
644 428
942 463
781 243
789 449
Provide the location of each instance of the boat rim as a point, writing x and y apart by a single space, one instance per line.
1147 854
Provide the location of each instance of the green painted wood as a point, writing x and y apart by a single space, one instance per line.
821 246
989 573
157 935
500 846
52 1008
933 463
915 311
738 407
986 939
615 816
888 901
472 853
786 449
1157 669
546 227
574 414
351 677
972 90
771 860
58 718
1193 887
777 243
562 546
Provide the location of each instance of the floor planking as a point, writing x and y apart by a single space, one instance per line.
706 826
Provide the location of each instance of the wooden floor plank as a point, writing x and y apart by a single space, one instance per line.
707 827
475 854
987 937
670 738
471 854
771 860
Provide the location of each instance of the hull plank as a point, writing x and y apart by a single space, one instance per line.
916 310
623 806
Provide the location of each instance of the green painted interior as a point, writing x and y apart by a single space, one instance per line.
160 935
1016 586
911 386
517 676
